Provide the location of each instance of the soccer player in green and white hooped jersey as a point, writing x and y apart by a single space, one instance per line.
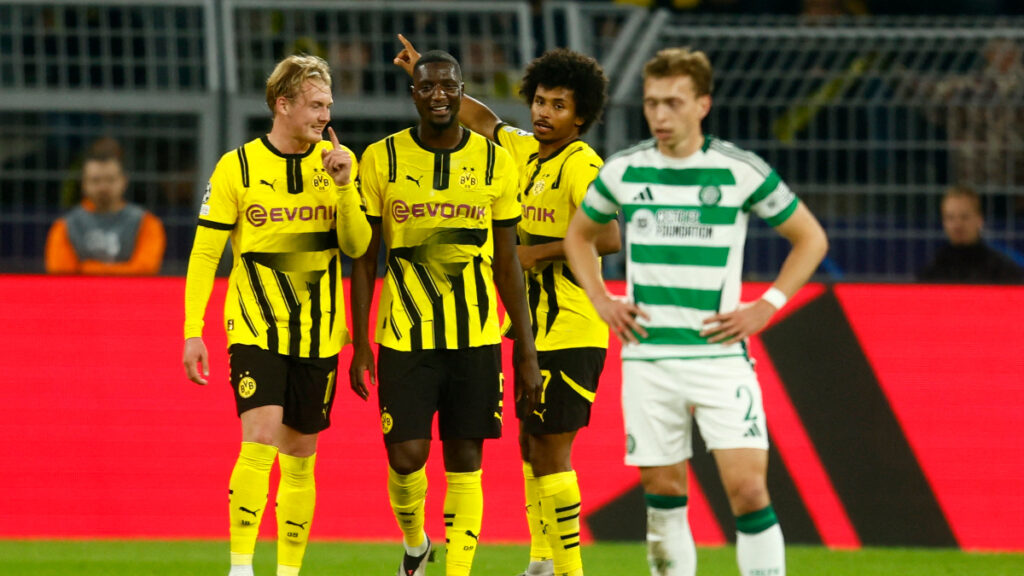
686 198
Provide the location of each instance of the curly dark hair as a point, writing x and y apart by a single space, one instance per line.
564 68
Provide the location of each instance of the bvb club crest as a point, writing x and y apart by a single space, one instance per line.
321 180
386 421
247 386
468 178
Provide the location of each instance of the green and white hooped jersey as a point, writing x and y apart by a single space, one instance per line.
686 223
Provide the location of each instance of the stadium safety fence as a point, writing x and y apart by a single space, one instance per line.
868 119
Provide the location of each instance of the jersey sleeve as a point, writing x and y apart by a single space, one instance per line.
600 204
520 144
353 229
370 184
507 211
219 209
60 254
582 172
772 200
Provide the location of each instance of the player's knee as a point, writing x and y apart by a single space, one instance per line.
749 495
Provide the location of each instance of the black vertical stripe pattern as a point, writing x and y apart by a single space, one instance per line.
558 179
332 270
294 175
245 315
489 173
436 305
291 302
461 310
533 300
548 277
243 163
442 167
874 471
483 303
415 331
389 144
315 312
261 300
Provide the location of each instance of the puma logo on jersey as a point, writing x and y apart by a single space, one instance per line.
645 194
269 184
416 180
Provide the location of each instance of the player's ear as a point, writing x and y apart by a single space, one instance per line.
282 105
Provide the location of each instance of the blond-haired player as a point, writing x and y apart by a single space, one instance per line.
289 204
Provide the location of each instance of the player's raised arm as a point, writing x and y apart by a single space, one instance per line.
352 228
473 114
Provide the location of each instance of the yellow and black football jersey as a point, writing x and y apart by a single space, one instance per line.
283 212
436 208
552 189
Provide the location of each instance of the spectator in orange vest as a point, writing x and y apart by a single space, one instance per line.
105 235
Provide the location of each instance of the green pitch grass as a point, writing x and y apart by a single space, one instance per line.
148 558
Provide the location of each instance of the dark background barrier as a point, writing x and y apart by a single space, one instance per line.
894 414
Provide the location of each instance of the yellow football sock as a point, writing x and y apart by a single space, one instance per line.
296 499
408 495
539 547
463 514
247 498
560 506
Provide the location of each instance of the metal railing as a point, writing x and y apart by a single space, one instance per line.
867 119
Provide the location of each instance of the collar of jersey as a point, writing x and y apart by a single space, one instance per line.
459 146
266 142
557 152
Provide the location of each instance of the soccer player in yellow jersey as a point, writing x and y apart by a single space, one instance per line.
566 92
443 199
289 203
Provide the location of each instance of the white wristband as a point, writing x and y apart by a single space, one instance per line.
775 297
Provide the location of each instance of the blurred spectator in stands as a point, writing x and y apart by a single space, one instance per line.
105 235
486 69
350 66
966 257
983 114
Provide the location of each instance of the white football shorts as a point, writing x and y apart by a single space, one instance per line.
661 398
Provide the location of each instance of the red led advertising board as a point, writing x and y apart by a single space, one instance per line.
888 406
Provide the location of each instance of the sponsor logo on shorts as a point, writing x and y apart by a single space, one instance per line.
246 386
630 444
386 422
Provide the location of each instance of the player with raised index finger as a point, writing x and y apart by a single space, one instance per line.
288 202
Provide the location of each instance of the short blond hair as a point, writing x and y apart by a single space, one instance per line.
682 62
289 75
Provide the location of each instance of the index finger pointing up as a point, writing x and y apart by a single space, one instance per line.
334 138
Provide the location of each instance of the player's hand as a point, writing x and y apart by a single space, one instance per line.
527 377
195 353
337 162
621 317
361 371
739 324
407 58
527 256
